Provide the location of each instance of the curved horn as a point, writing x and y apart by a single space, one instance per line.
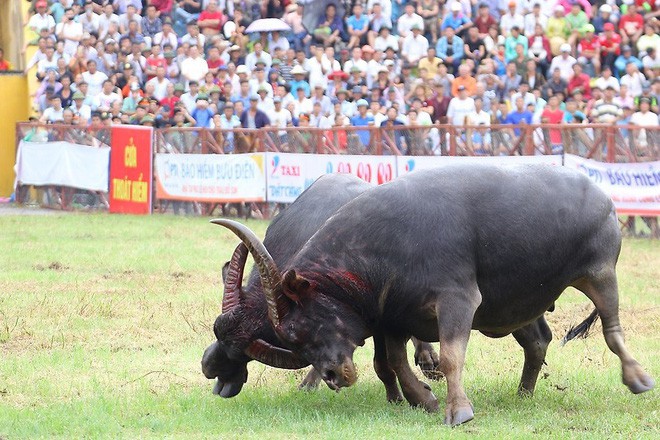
277 357
271 280
234 279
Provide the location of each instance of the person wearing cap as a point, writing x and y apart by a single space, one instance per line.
610 44
42 19
299 81
511 18
603 16
624 59
456 19
147 121
450 49
265 102
564 62
80 109
557 29
588 49
363 119
414 45
631 25
459 107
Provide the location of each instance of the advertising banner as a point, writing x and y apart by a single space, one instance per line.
211 177
407 164
290 174
130 169
63 163
633 187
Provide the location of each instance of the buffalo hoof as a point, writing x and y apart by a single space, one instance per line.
637 380
394 397
429 363
431 405
458 416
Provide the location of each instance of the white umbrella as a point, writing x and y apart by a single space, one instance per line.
268 25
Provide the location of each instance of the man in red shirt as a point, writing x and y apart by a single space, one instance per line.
484 20
162 6
552 114
631 25
156 59
211 19
579 81
610 44
589 50
213 60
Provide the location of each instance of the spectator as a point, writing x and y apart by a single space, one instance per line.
576 21
552 114
42 22
535 18
511 19
564 62
329 28
357 26
518 116
363 119
606 110
624 59
460 107
429 11
211 19
557 30
631 25
54 112
407 20
456 20
299 37
610 43
604 16
579 81
514 39
415 45
450 49
633 79
465 80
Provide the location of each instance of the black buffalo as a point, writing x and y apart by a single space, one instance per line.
243 330
436 253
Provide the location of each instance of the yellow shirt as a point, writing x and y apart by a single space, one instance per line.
431 66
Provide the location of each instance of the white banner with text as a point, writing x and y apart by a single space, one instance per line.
63 163
211 177
633 187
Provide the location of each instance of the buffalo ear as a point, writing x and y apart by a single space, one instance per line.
295 286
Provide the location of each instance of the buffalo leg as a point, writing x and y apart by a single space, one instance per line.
311 381
534 339
416 392
455 315
602 290
384 370
427 359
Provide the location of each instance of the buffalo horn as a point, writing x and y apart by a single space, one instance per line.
271 280
277 357
234 278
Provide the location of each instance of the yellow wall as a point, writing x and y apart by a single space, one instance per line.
14 108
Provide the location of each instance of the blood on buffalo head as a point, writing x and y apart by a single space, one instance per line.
317 328
237 337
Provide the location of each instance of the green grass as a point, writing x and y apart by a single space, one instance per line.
103 320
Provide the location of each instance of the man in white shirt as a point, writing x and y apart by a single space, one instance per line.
607 80
159 83
533 18
318 96
634 79
54 113
356 61
94 79
70 32
47 62
479 116
460 107
89 20
279 116
564 62
511 19
104 100
189 98
415 45
194 67
407 20
105 19
258 54
42 19
259 82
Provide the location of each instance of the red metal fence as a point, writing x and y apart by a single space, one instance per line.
611 143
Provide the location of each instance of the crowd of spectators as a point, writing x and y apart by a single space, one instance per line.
376 63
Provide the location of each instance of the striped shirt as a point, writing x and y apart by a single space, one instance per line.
606 112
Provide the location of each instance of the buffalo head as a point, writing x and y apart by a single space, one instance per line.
237 336
316 327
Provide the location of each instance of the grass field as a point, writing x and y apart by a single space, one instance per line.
103 321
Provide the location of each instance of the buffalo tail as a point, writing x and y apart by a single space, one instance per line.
582 329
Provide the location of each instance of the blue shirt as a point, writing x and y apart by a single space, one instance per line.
515 118
202 117
359 121
358 24
295 85
454 22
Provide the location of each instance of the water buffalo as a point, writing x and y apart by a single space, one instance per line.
243 330
439 252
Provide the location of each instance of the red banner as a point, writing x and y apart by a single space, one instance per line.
130 169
